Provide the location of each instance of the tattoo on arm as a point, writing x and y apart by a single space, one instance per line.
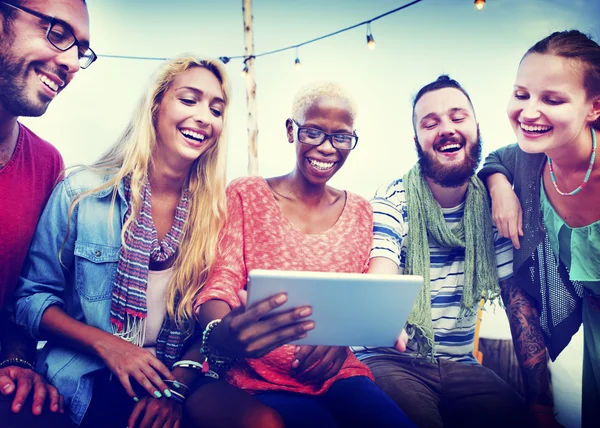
528 341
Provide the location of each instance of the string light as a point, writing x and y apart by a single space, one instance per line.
245 70
370 39
297 62
479 4
226 59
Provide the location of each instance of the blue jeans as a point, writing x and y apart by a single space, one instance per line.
350 402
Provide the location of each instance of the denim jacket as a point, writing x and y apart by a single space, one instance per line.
80 281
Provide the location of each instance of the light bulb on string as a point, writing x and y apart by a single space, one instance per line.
244 72
297 62
370 38
479 4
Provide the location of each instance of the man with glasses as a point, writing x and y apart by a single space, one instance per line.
43 43
435 222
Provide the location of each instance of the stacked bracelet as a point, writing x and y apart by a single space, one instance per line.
190 364
19 362
178 390
217 362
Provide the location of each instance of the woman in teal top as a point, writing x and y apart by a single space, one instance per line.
553 213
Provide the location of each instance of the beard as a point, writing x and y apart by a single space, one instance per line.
453 175
13 85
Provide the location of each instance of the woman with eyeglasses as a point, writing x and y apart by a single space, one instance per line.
120 252
294 222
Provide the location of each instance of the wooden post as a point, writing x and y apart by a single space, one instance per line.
250 89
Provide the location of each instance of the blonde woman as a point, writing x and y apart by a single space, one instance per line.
121 251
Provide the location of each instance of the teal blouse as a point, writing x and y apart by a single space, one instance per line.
577 247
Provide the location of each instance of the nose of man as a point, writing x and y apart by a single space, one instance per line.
446 127
69 60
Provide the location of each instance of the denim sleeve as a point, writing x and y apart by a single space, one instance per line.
502 160
48 264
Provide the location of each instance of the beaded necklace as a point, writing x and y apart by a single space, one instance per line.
587 174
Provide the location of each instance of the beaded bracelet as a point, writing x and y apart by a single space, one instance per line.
218 362
189 364
19 362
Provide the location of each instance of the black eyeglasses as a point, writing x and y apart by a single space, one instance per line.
316 137
60 35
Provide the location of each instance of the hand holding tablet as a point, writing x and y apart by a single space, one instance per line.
255 330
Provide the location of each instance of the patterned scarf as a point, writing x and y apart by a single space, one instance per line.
128 307
426 220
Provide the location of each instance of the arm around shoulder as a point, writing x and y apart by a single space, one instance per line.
501 161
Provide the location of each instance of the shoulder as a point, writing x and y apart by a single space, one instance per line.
40 149
393 193
85 179
358 203
247 191
246 184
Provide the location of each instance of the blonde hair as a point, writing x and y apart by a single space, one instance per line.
313 92
132 154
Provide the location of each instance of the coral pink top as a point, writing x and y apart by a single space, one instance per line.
258 236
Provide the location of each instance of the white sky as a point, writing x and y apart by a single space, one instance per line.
481 49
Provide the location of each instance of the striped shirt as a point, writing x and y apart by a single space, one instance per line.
453 337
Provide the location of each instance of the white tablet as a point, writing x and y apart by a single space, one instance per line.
349 309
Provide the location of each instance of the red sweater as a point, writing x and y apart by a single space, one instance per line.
26 183
258 236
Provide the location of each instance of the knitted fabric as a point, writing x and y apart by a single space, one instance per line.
426 221
128 307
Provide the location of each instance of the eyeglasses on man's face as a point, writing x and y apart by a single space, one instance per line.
60 35
316 137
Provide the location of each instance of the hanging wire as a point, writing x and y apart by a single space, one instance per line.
226 59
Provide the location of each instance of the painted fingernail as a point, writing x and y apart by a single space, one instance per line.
295 364
281 298
38 409
309 326
7 388
305 312
136 399
157 394
176 384
167 393
297 349
17 407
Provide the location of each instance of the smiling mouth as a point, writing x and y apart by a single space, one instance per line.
535 129
450 148
50 84
322 166
193 135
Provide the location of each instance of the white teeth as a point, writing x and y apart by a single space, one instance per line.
449 146
536 128
193 135
321 165
51 84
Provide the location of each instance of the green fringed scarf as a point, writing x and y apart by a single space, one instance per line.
425 218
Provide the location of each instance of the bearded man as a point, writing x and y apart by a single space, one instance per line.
435 222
